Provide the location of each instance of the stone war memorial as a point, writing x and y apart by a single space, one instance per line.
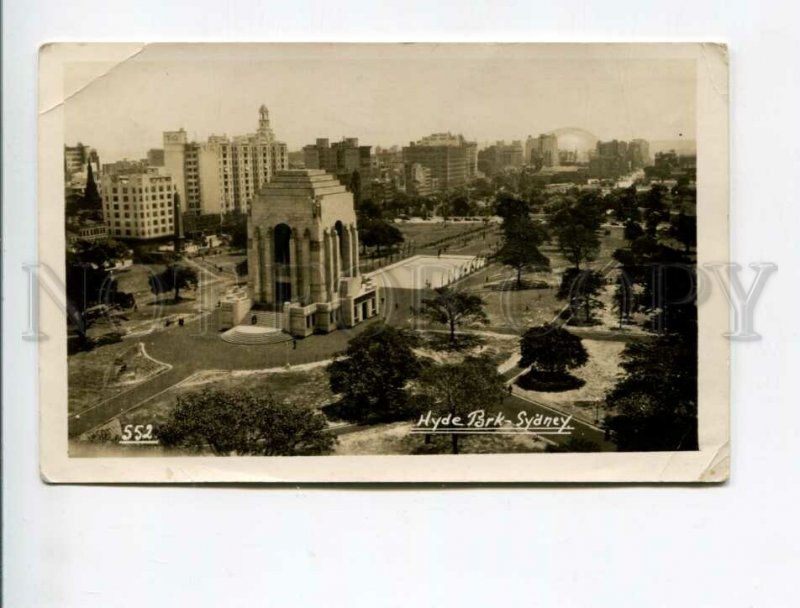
303 256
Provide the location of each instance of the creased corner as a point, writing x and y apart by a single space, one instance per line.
70 95
718 468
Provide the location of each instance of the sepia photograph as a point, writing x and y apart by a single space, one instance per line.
455 262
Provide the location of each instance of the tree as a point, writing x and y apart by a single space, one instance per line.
234 224
379 233
684 230
355 188
633 230
245 423
551 349
460 388
174 278
453 308
510 207
581 288
576 227
92 202
372 373
520 250
655 209
102 254
89 283
654 405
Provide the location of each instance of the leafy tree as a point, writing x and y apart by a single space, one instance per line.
667 278
521 252
89 282
576 227
626 205
511 208
355 188
633 230
234 224
453 308
372 373
581 288
460 388
655 209
684 230
100 253
92 202
369 210
245 423
174 278
460 205
654 406
551 349
379 233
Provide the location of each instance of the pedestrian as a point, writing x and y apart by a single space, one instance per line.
180 321
510 389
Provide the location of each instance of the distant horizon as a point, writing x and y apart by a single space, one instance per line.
385 95
680 146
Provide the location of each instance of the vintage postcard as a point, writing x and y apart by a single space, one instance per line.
382 263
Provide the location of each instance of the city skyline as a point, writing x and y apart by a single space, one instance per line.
391 96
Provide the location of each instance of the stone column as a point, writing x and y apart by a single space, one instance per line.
347 248
305 267
327 256
269 267
337 261
354 250
318 285
293 268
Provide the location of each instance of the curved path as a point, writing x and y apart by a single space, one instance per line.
197 346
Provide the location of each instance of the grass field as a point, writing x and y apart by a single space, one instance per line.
97 375
308 388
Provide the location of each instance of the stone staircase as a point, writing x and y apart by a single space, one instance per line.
264 319
254 335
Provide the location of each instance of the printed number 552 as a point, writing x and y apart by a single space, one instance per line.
138 432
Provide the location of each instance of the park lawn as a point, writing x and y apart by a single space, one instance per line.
395 439
600 374
496 348
96 375
428 232
308 388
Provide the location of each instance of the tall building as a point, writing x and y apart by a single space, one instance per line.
125 167
76 166
417 179
451 159
303 254
639 153
614 158
224 174
542 149
139 205
500 156
341 159
155 157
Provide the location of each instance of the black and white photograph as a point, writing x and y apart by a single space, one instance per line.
415 251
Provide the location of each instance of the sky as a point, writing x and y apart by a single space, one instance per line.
383 94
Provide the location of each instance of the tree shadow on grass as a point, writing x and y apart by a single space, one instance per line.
442 343
549 382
